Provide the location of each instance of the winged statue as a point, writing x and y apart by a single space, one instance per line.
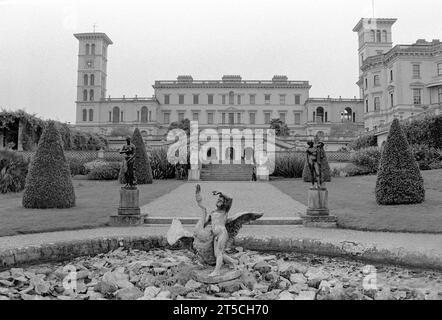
214 231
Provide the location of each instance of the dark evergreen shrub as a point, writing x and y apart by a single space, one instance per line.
365 141
109 171
367 158
399 180
143 171
13 171
288 165
48 183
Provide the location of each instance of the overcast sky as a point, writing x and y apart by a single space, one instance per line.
158 40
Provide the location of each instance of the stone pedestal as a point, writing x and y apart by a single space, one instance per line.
318 214
129 213
194 175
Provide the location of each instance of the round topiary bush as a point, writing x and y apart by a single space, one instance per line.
48 183
325 168
399 179
143 171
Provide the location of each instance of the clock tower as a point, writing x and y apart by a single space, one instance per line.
92 72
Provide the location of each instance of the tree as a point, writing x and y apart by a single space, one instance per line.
280 128
48 183
183 125
143 171
399 180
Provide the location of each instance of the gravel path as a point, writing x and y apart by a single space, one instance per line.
247 196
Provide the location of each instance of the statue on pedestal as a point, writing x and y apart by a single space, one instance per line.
214 231
128 165
315 154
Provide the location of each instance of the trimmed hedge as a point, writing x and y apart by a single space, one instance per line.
109 171
426 131
367 159
48 183
325 168
363 142
143 171
399 180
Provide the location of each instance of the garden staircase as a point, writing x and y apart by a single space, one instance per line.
226 172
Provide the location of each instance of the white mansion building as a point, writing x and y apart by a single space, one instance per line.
227 103
394 82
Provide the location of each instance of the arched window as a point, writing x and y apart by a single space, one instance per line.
92 80
85 80
87 49
384 36
84 115
378 36
144 114
320 114
91 95
116 115
231 98
91 115
347 115
85 95
372 36
93 49
150 115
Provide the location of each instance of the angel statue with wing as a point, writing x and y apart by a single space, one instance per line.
214 231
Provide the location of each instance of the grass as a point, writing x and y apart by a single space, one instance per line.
352 200
95 202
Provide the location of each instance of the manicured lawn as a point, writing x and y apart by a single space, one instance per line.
95 202
352 200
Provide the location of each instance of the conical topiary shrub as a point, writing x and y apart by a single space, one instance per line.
399 179
143 171
325 168
48 183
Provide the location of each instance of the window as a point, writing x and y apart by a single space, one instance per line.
267 99
266 117
93 49
181 99
439 69
91 95
231 118
282 117
210 118
239 99
195 116
91 115
150 115
84 115
376 81
166 118
346 115
138 116
391 100
92 80
297 99
297 118
282 99
110 116
366 83
223 118
439 94
196 99
252 99
417 99
319 114
144 114
252 118
116 115
85 80
231 97
416 71
87 49
391 76
366 105
372 36
238 118
210 99
378 36
84 95
384 36
167 99
223 97
180 116
122 116
377 104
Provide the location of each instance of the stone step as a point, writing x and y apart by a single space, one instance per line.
273 221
